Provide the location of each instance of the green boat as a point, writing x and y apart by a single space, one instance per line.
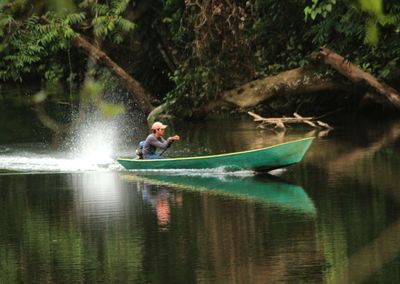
265 188
265 159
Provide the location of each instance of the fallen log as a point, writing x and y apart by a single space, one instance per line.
303 80
279 122
386 94
306 80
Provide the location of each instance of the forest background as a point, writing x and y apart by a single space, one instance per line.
190 58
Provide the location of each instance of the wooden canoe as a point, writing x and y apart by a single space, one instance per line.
265 159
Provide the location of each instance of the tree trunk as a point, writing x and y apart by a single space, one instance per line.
293 82
141 95
387 94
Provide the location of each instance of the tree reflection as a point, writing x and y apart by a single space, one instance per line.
43 241
371 259
352 220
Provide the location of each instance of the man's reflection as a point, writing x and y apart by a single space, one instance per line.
159 198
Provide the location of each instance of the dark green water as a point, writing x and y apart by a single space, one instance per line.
334 218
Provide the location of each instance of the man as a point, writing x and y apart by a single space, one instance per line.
156 140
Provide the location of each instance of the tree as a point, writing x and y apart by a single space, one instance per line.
276 36
33 38
200 50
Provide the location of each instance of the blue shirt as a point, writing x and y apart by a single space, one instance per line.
152 143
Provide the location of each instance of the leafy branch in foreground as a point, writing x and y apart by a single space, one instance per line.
29 38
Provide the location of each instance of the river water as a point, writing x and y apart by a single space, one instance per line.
73 215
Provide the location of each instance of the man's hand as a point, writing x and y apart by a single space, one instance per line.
174 138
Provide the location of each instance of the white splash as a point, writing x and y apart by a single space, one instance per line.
219 173
90 149
278 172
43 163
95 142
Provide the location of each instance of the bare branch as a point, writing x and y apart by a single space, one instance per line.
279 122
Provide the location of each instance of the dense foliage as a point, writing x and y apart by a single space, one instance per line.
271 36
353 30
38 40
187 52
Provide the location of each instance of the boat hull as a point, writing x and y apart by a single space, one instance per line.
265 159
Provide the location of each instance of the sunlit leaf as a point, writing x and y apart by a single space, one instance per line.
91 91
39 97
61 6
111 110
372 6
372 32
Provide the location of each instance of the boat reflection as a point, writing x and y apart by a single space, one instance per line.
229 228
260 188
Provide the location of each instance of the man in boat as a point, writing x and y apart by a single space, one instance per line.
156 140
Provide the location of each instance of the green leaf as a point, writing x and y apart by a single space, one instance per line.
39 97
111 110
372 32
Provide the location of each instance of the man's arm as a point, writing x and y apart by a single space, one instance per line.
163 144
